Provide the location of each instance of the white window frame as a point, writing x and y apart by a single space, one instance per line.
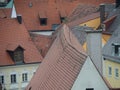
3 79
115 73
24 77
108 71
15 78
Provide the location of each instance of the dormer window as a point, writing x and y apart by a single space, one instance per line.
3 3
116 49
42 18
17 54
63 15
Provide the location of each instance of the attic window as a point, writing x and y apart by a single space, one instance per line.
43 18
63 15
17 55
116 49
3 3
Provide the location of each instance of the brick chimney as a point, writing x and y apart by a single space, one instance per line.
102 13
19 18
94 47
117 3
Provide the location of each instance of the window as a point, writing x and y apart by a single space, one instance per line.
2 79
3 3
43 21
24 77
62 19
17 55
116 49
89 88
116 72
13 78
110 71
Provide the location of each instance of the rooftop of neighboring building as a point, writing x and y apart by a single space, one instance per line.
53 10
13 36
64 55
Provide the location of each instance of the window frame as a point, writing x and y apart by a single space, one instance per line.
117 73
25 77
2 80
109 74
13 79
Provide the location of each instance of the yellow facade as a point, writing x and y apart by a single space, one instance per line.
113 80
106 37
18 70
95 23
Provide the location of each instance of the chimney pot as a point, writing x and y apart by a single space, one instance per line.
102 12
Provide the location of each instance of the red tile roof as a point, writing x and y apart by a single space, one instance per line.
84 19
108 23
53 9
62 64
42 43
13 34
5 13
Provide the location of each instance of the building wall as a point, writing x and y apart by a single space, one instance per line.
18 70
89 78
106 37
113 80
95 23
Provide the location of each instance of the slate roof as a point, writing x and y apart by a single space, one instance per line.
80 34
62 64
114 14
53 9
12 35
108 48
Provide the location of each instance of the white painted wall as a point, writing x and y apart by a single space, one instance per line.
89 78
48 33
13 14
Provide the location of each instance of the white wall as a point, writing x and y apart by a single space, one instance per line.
48 33
89 78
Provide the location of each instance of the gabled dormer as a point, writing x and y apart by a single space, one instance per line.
116 49
62 15
42 18
17 54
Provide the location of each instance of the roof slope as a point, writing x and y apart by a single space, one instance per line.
108 48
29 9
13 34
42 42
62 64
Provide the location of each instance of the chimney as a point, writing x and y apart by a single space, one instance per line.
94 47
117 3
19 18
102 12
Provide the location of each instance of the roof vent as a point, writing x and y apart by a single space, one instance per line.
19 18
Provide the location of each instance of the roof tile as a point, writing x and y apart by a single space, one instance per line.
61 65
